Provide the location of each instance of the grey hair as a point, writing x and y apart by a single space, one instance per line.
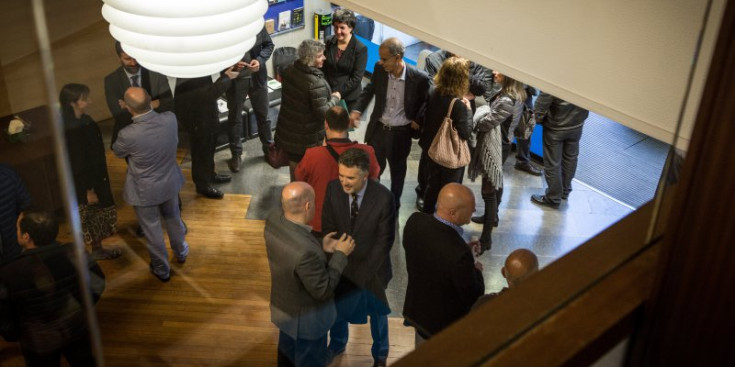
394 46
308 50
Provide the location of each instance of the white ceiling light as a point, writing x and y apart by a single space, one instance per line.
185 38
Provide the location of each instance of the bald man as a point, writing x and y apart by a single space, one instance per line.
519 265
153 179
399 90
302 279
444 279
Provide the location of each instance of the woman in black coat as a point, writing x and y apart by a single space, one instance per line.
89 168
451 84
305 98
346 58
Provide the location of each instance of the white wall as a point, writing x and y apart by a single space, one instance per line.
627 60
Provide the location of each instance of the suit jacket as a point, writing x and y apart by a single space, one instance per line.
117 82
415 95
345 75
374 233
443 282
149 144
40 298
302 281
196 103
261 51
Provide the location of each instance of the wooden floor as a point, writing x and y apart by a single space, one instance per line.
214 311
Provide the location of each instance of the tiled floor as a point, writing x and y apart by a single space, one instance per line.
549 233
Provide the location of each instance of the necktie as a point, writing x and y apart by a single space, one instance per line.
354 209
134 80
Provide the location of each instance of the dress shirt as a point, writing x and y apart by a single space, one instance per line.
394 114
457 228
360 195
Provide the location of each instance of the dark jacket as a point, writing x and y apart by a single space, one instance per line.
556 114
40 298
345 75
306 96
196 103
261 51
436 110
415 95
14 198
87 158
117 82
443 282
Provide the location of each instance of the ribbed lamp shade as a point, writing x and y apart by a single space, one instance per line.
185 38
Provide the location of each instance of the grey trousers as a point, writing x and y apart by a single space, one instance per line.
149 218
561 152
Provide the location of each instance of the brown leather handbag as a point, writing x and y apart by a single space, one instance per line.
448 149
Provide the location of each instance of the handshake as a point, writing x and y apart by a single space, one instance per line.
344 243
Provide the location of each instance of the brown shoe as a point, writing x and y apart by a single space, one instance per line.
234 163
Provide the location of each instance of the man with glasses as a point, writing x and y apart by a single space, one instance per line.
399 90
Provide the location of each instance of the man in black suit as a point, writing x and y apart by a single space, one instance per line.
252 82
361 291
131 74
302 279
196 110
400 90
444 279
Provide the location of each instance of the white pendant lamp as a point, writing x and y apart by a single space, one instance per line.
185 38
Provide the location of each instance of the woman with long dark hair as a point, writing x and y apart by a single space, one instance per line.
89 168
452 84
493 124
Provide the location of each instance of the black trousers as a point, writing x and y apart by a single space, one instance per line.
561 152
436 177
393 147
235 104
201 145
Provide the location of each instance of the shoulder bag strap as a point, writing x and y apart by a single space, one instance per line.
333 152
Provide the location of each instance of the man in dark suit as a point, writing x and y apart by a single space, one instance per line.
252 82
196 109
41 301
444 279
153 179
399 90
302 280
361 291
131 74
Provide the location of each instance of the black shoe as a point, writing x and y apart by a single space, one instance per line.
139 232
528 168
234 163
380 363
220 179
211 192
181 260
565 196
420 204
163 279
542 200
480 219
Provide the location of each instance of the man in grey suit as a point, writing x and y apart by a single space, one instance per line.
371 222
131 74
154 178
302 280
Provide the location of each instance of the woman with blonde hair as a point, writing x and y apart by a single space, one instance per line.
493 125
451 87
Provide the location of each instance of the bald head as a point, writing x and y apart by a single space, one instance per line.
297 200
455 203
394 46
137 100
519 265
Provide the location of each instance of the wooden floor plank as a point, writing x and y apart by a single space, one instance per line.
215 310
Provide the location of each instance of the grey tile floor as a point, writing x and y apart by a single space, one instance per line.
549 233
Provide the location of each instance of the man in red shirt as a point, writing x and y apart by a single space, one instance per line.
319 165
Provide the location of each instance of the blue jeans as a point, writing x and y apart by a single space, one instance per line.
301 352
340 332
561 152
